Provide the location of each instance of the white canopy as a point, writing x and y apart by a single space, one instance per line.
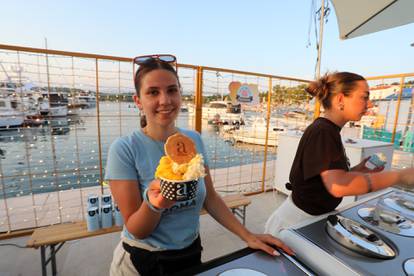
359 17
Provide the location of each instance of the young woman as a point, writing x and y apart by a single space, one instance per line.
320 175
162 236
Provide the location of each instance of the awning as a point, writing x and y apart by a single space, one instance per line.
359 17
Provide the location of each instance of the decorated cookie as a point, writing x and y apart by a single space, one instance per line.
180 148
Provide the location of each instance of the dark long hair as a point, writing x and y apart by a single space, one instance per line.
331 84
144 69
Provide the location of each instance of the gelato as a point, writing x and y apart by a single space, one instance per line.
168 169
180 168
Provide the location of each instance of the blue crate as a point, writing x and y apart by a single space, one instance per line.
408 144
381 135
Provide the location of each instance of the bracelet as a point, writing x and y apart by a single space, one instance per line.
152 207
369 182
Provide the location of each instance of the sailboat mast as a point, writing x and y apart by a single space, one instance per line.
5 72
47 75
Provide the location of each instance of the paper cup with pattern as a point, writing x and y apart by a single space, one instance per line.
179 190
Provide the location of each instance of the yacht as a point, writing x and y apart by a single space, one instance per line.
52 111
184 108
222 113
297 115
254 131
53 104
86 100
10 113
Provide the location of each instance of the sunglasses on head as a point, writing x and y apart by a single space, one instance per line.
144 59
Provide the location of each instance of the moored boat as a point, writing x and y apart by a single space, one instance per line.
222 113
254 132
10 115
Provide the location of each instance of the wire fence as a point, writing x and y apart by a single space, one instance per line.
60 111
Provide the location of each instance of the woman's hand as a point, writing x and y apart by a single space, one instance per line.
265 242
362 168
156 198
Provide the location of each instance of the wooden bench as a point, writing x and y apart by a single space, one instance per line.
54 236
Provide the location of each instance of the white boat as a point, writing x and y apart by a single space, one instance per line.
295 118
184 108
53 111
53 104
86 101
10 115
297 115
222 112
254 132
8 88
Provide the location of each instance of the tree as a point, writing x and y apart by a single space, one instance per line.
282 95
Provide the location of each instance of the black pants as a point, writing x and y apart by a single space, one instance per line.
157 263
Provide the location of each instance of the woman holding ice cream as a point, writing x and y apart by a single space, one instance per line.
161 236
320 175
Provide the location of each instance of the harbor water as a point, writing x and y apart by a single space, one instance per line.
65 153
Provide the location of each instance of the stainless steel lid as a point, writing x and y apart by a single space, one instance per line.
409 267
358 238
388 220
242 272
401 202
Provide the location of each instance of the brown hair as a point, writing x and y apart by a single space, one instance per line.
143 70
331 84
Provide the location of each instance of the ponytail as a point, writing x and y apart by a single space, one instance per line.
331 84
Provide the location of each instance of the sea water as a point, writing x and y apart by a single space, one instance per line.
64 154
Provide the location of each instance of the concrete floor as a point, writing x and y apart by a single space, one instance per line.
92 256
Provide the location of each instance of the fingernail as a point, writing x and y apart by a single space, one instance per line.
275 253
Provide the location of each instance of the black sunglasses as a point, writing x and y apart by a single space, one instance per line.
144 59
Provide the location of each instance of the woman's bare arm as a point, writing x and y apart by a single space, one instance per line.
341 183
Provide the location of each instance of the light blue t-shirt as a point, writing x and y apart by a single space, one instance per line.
136 157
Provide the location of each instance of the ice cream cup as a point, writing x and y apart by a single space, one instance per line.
179 190
377 160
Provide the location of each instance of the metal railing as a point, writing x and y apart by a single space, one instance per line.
51 164
397 84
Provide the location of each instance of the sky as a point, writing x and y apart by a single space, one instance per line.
265 36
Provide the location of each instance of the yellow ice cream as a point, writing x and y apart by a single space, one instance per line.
168 169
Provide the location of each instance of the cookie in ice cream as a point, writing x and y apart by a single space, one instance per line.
180 148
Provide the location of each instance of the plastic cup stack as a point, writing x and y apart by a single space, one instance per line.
106 213
93 201
103 216
106 199
119 221
92 219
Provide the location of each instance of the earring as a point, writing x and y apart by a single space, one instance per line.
142 119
